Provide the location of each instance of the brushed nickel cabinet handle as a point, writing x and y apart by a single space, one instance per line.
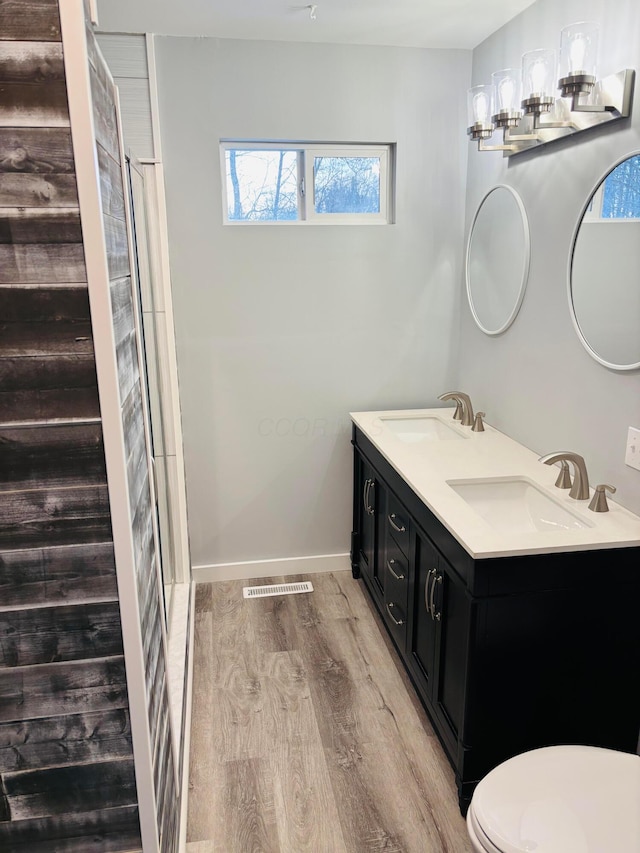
368 485
365 495
393 618
426 591
401 529
390 564
435 616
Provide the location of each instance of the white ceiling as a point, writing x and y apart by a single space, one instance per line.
406 23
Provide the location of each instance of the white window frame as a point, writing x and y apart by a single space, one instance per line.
307 152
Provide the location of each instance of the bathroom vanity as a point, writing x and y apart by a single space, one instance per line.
513 607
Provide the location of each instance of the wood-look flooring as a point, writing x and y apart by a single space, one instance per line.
306 734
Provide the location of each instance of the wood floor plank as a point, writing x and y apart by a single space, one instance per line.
245 809
306 734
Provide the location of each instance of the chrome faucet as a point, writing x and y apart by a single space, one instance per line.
580 487
464 409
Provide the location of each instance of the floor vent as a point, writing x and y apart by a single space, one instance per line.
276 589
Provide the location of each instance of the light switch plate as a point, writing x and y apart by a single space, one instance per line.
632 456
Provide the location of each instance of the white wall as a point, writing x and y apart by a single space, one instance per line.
282 330
536 381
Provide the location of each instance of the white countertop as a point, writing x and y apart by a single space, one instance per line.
427 465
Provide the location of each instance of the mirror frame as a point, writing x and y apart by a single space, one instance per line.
525 261
576 325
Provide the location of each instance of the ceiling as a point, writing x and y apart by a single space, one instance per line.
404 23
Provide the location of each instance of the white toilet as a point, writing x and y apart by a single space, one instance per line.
560 799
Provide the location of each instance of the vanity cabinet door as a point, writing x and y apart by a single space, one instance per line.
453 612
439 640
423 628
369 502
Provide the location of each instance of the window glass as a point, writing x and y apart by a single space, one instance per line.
262 185
346 184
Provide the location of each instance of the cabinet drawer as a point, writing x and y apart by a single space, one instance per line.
397 520
395 616
396 574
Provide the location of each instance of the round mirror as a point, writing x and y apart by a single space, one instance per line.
604 271
497 259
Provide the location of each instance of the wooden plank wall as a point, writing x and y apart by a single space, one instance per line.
67 779
150 592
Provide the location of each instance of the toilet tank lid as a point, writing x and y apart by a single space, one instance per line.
560 799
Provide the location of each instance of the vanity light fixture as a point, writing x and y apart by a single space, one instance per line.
523 103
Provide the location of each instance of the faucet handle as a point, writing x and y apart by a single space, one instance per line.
599 499
478 425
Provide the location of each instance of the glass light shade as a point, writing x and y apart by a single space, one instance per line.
480 100
539 73
579 49
507 88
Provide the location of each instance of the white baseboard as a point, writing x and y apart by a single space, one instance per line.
272 568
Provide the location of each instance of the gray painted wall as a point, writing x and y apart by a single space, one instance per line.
536 381
282 330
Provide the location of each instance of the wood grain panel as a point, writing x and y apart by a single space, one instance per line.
104 114
103 831
126 342
44 304
57 339
53 456
58 689
139 487
147 587
20 225
42 517
156 694
73 573
40 150
46 405
121 296
151 635
72 739
64 633
33 190
34 20
79 788
26 105
110 185
31 62
128 366
168 821
245 797
48 372
42 263
115 232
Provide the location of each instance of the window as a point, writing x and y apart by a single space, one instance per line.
306 183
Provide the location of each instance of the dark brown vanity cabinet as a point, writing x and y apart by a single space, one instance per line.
508 653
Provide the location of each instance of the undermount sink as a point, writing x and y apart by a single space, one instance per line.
417 428
516 505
